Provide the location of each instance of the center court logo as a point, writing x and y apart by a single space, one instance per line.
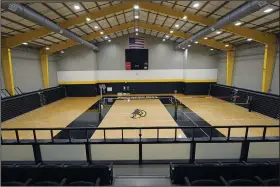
138 113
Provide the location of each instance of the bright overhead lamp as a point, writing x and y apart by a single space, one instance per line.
177 25
163 39
189 45
196 42
136 29
185 17
101 32
136 7
167 36
62 52
96 27
88 19
205 38
183 48
106 37
238 23
47 48
171 31
196 5
109 40
268 10
226 45
136 17
218 32
24 43
211 49
137 33
249 39
77 7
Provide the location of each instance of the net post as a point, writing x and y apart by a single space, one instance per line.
175 134
34 135
176 110
52 135
17 136
264 132
228 135
104 133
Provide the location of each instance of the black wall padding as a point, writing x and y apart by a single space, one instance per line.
267 104
81 90
147 87
196 88
14 107
53 95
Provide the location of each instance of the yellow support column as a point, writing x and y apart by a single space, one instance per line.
45 68
229 68
8 70
268 65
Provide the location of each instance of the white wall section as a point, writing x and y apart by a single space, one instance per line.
138 75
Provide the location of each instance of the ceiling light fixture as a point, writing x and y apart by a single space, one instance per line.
163 39
171 31
88 19
136 29
24 43
249 39
77 7
205 38
167 36
177 25
136 7
189 45
238 23
101 32
62 52
109 40
183 48
268 10
196 5
196 42
185 17
218 32
211 49
106 37
136 17
96 27
226 45
47 48
137 33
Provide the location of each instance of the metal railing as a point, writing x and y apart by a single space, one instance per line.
157 138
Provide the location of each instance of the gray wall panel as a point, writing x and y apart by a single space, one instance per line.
199 57
77 58
248 68
161 54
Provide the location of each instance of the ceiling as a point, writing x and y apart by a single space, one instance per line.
12 24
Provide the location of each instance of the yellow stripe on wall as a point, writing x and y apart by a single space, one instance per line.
126 81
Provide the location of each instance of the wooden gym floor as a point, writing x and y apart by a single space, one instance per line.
214 111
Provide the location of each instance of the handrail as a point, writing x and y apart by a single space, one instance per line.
155 127
30 93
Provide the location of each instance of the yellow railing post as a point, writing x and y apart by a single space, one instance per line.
230 67
45 68
268 65
8 70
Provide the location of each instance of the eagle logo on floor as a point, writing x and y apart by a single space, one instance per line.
138 113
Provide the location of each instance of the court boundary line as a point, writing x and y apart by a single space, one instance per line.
194 123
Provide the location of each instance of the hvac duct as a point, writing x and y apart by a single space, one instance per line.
31 15
241 12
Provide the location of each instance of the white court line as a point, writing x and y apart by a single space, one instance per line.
194 122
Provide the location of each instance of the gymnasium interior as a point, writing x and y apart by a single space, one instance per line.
140 93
